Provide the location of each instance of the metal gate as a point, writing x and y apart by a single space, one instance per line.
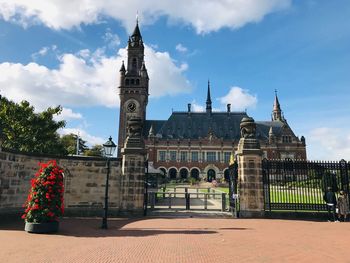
300 185
186 198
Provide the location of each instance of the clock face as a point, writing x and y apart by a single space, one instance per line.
131 107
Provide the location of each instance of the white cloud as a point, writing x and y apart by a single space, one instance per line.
43 52
239 98
182 49
67 114
327 143
197 107
112 40
203 15
90 139
87 79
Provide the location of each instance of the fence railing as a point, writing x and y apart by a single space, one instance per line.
301 185
184 200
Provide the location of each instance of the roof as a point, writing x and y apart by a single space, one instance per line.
195 125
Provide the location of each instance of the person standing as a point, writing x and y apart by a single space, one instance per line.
343 205
331 202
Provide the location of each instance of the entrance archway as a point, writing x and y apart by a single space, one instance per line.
183 173
211 175
172 173
195 173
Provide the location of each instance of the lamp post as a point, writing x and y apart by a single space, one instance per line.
233 176
108 148
145 199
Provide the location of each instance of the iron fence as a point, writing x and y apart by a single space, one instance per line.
300 185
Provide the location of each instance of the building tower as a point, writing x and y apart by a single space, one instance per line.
208 102
277 112
133 87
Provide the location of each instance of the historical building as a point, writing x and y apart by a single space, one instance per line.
196 144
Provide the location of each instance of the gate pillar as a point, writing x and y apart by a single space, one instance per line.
250 179
133 170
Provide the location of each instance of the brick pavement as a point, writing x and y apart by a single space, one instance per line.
179 240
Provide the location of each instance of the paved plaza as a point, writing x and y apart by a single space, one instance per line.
179 240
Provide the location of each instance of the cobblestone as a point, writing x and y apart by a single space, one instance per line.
179 240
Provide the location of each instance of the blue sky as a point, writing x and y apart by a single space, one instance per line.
66 53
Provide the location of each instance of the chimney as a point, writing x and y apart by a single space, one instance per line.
189 107
228 108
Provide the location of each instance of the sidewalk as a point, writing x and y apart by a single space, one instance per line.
179 240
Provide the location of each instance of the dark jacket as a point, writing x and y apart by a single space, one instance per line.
330 198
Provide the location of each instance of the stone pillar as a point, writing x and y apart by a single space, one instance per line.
133 170
250 180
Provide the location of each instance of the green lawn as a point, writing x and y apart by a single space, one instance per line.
296 195
277 194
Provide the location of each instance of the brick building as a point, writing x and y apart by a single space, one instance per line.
196 144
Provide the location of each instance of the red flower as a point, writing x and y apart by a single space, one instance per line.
47 190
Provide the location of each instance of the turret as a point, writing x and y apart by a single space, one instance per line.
277 112
208 102
122 73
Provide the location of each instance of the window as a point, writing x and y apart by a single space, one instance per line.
219 155
183 156
227 156
161 156
137 82
203 156
173 156
211 156
134 64
286 156
194 156
287 139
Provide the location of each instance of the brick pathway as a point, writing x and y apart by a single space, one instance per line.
179 240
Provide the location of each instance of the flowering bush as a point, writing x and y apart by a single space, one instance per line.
45 198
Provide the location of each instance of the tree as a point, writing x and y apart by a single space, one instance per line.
95 150
26 131
70 144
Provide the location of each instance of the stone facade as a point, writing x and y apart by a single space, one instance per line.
84 182
250 179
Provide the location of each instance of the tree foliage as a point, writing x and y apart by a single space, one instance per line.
70 144
95 150
26 131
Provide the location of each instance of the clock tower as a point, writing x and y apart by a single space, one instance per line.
133 88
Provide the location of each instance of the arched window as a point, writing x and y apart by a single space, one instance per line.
195 173
211 175
172 173
134 64
183 173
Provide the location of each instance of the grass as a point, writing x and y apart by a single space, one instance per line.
291 194
296 195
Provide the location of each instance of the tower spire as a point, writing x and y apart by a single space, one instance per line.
136 38
277 112
208 102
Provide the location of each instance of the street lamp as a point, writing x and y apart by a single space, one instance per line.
108 148
145 199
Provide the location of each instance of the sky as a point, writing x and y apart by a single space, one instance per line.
69 52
